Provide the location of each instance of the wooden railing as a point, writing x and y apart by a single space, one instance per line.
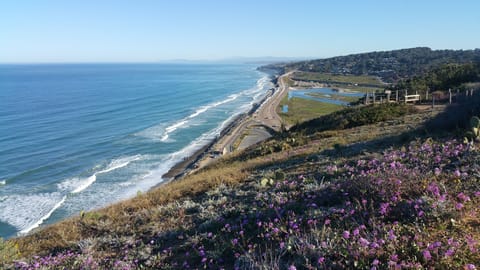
412 98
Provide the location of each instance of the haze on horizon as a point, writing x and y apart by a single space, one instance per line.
54 31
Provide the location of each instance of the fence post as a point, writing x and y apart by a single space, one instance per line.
450 96
426 94
396 96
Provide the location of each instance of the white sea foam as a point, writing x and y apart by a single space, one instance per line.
26 212
126 184
3 182
76 185
183 122
45 217
162 133
199 111
30 211
85 183
174 127
150 176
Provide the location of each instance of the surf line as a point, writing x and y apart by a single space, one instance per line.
199 111
82 187
93 178
42 219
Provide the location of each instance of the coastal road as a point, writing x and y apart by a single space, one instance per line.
250 127
267 113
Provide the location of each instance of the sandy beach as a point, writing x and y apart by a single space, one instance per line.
247 129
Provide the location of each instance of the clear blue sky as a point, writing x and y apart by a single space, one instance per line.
152 30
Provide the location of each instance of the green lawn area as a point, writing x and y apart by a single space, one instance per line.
333 78
361 89
300 110
335 97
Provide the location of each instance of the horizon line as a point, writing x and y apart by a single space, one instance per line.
179 60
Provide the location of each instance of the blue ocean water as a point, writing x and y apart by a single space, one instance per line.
81 136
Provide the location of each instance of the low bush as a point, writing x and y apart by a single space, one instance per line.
355 116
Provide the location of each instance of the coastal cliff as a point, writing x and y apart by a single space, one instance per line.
379 186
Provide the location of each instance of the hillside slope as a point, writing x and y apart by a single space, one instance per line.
388 65
377 195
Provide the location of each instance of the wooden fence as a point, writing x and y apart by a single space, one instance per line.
402 96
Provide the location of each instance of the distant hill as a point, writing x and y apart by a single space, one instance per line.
391 66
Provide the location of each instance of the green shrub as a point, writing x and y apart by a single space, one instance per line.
8 253
355 116
474 132
279 175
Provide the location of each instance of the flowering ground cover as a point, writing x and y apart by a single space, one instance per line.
412 207
312 205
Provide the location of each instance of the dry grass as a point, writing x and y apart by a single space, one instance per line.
131 216
163 210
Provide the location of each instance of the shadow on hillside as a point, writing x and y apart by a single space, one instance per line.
451 122
344 151
456 116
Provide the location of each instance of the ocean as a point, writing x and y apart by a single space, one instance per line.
77 137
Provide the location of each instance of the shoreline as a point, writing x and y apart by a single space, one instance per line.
183 167
232 131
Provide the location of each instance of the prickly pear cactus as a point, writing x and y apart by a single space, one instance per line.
474 132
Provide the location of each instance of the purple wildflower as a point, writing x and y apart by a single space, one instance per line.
384 208
461 196
363 242
449 252
459 206
426 255
470 266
